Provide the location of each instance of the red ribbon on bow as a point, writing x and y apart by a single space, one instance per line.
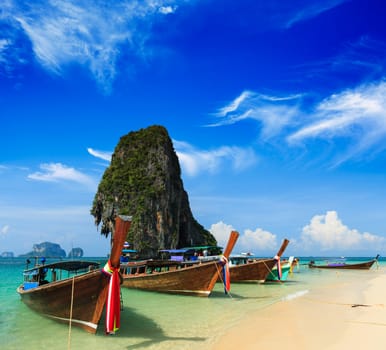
113 303
277 258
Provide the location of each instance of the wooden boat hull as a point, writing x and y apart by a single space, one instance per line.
285 269
255 271
78 300
88 295
197 279
360 266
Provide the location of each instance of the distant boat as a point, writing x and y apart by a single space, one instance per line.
342 265
57 291
177 277
244 268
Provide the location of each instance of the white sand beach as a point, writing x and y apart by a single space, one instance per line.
345 315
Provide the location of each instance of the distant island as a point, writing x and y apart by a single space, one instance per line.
52 250
75 253
7 255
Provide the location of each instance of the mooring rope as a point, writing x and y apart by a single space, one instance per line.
70 322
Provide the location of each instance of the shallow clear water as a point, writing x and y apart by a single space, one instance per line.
154 320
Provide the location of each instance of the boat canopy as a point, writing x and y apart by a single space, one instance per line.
202 247
206 249
72 265
174 251
128 251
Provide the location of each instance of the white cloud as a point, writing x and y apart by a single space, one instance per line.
273 112
221 232
328 233
312 9
165 10
194 161
4 230
100 154
55 172
258 241
356 116
359 114
364 106
3 45
86 32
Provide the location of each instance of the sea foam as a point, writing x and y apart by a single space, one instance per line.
295 295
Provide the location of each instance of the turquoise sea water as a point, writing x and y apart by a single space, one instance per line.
154 320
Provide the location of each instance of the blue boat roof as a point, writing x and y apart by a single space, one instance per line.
70 265
174 251
129 251
204 247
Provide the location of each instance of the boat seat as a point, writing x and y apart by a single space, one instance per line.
30 285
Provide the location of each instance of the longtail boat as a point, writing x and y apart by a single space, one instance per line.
177 277
247 269
366 265
285 267
75 292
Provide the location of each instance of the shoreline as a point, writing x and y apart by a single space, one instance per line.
340 315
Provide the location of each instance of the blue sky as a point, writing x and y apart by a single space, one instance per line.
277 111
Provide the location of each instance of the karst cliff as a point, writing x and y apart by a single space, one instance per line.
144 181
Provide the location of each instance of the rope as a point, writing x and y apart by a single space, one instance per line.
72 304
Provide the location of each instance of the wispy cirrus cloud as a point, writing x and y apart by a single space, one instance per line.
362 59
56 172
96 34
195 161
105 155
85 32
309 9
274 113
357 114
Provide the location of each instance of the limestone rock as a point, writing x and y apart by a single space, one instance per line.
75 253
47 249
144 181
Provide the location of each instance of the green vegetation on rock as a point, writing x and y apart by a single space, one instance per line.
144 181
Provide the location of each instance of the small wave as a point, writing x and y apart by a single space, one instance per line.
295 295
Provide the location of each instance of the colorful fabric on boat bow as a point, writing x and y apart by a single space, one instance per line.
225 274
277 258
113 302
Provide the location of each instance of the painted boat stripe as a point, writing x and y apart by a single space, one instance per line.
188 291
89 324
